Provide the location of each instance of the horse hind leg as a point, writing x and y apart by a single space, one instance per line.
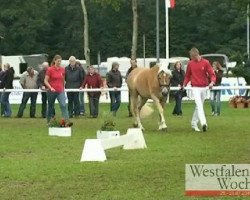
135 110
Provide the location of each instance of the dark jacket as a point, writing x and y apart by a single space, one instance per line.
41 77
219 75
8 78
2 77
114 79
177 77
73 77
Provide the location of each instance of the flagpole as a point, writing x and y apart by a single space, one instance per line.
167 31
157 33
248 31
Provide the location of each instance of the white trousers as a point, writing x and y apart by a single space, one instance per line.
199 94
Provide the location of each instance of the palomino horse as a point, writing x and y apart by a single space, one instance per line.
144 84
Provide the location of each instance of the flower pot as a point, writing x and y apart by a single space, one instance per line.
232 105
62 132
240 105
107 134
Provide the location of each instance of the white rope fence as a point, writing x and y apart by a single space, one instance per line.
247 87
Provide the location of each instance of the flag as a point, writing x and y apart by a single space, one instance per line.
170 3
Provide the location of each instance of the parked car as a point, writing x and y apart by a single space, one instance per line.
222 59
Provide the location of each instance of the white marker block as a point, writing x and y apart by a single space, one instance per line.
62 132
93 151
137 141
117 141
107 134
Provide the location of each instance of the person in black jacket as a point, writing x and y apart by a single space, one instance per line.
41 85
7 83
73 79
177 81
114 80
215 94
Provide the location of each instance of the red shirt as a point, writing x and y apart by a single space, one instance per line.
199 72
93 81
56 77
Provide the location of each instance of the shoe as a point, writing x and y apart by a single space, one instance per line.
82 113
68 124
204 128
196 129
213 113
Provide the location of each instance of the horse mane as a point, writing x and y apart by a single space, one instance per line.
164 68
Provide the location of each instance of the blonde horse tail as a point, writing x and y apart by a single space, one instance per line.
146 111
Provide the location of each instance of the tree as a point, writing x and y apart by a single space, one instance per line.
86 33
135 29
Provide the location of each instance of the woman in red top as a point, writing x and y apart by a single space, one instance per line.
93 80
54 80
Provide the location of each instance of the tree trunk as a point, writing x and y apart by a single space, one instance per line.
135 29
86 33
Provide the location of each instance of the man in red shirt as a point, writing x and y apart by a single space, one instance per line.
199 72
93 80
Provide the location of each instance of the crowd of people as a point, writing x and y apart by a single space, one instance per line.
53 79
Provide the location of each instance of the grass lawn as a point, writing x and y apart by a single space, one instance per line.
34 165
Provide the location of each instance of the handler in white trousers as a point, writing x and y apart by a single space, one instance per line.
200 74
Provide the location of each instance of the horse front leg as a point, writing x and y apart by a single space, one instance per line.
160 106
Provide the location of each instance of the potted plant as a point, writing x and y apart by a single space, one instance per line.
59 127
108 129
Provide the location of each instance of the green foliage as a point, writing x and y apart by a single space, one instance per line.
56 26
108 125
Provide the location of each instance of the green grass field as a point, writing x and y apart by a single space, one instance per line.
34 165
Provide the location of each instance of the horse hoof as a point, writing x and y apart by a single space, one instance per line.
135 125
164 129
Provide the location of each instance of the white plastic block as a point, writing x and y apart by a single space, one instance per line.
137 141
63 132
93 151
107 134
116 141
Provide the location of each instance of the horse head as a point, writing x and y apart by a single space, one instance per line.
164 76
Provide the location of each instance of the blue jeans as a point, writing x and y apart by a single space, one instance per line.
26 96
73 103
115 97
94 105
81 98
61 98
178 99
215 101
5 104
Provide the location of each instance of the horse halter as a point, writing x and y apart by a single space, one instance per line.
163 85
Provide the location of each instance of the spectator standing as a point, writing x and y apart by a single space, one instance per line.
93 80
177 81
133 65
54 81
114 80
7 83
41 85
1 83
28 80
215 94
198 73
81 94
74 80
